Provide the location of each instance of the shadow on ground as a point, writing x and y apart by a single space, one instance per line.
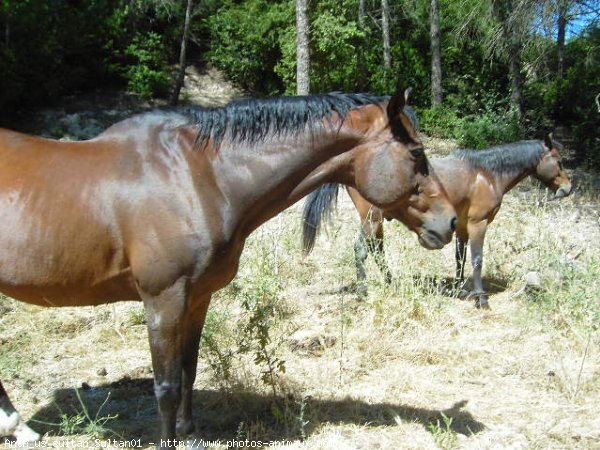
238 415
430 284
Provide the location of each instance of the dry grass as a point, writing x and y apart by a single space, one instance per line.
408 367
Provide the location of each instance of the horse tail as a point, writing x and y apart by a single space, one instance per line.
318 206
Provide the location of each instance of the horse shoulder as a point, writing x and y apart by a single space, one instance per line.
484 197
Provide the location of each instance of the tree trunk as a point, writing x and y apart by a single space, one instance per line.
302 48
436 55
385 28
361 63
516 80
560 38
182 55
502 10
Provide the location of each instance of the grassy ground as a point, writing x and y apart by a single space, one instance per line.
406 368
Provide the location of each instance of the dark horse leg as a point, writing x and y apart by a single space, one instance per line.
477 235
461 257
193 330
165 314
378 251
365 244
11 423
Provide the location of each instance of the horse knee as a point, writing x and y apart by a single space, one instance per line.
168 395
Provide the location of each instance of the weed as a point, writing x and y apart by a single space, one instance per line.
444 436
82 422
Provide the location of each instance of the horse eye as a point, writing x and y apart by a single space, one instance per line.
417 152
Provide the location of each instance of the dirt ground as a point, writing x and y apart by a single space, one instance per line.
407 367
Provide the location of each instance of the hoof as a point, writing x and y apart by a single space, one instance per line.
361 290
482 302
185 427
461 294
23 434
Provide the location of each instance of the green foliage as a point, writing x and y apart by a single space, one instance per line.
225 339
487 129
85 45
473 131
445 437
438 122
246 42
569 301
81 421
149 75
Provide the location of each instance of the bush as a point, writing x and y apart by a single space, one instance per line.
245 41
439 122
489 128
473 131
149 75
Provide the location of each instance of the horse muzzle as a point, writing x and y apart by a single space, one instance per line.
434 239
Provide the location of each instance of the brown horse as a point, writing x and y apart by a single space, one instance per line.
158 207
475 182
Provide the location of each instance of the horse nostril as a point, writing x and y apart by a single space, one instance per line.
453 224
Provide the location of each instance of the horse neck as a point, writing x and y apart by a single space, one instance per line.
294 168
508 164
506 182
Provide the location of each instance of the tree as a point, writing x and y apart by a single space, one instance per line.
182 55
563 6
385 29
362 64
436 55
302 48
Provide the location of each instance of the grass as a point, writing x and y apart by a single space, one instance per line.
405 367
82 422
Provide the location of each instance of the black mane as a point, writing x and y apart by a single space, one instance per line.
505 159
252 120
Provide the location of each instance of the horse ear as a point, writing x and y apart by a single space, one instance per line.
407 94
548 141
396 105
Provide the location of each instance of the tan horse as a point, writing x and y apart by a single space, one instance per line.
158 208
475 182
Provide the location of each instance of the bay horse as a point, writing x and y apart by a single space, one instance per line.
158 207
475 182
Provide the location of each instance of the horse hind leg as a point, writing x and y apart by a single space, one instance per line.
361 251
11 423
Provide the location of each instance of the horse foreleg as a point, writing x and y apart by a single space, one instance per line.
378 250
477 236
460 255
193 331
165 314
11 423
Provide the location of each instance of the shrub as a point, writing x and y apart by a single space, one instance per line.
473 131
489 128
149 75
438 122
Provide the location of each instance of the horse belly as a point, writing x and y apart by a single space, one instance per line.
50 260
